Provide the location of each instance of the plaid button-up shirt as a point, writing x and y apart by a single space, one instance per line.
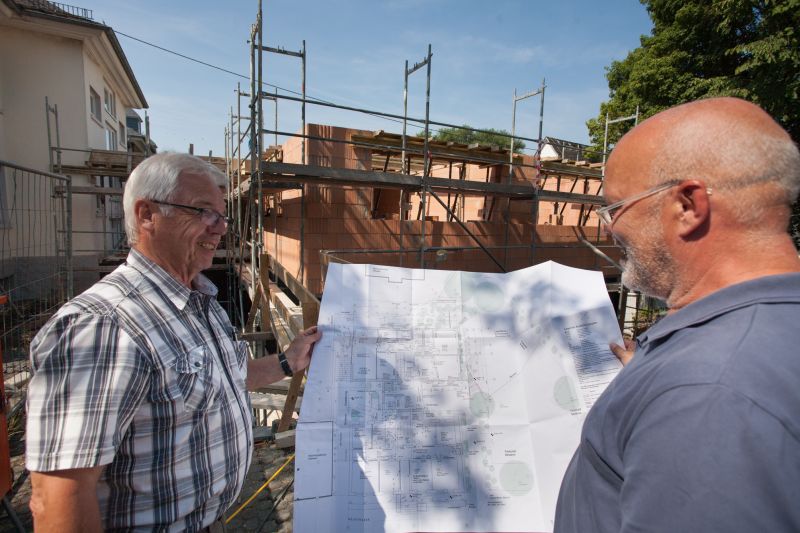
143 375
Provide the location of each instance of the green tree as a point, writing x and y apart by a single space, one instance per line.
499 138
703 48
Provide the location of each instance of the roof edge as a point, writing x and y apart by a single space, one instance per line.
108 30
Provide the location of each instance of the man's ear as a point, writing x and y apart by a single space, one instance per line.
144 215
695 208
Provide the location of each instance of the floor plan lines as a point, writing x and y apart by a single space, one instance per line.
448 401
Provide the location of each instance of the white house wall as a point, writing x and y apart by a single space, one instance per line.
34 66
98 81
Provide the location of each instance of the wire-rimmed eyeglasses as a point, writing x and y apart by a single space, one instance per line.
607 213
210 217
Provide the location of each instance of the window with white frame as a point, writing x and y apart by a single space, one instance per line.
110 102
94 105
122 135
111 137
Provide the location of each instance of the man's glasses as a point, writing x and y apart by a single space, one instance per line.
607 213
209 217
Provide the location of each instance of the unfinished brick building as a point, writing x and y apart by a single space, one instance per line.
358 206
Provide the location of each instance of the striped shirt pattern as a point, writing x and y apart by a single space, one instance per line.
143 375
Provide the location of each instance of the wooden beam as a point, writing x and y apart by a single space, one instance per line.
270 401
290 313
310 310
370 178
364 178
476 152
257 336
284 439
92 171
573 198
90 190
298 289
569 169
251 316
279 387
281 330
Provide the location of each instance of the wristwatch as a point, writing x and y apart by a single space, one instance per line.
285 364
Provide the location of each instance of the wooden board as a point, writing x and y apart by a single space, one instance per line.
284 439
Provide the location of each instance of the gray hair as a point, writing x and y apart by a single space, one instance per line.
156 178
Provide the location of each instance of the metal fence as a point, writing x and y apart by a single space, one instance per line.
57 8
35 263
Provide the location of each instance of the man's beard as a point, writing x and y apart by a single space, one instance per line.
648 267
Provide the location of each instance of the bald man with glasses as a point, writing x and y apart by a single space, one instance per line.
700 431
138 413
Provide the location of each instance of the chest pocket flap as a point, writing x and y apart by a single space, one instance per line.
197 378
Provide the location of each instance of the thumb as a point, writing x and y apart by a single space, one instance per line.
624 355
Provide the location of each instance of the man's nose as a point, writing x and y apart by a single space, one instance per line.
220 228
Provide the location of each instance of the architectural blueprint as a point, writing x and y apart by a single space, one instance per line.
448 401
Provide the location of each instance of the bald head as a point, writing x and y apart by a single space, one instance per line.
734 174
728 143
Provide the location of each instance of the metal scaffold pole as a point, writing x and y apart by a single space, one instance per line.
538 163
239 214
303 160
426 159
229 274
405 162
254 151
510 178
302 55
239 162
403 166
260 135
635 117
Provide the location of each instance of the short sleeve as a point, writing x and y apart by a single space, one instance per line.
707 459
89 378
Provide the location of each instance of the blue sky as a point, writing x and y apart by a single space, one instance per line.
356 51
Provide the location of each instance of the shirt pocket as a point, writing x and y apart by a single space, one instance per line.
600 465
196 378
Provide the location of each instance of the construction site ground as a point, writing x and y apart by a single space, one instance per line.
254 518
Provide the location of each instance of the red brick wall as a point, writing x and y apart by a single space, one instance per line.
340 218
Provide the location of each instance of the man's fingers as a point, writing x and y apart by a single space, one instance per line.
630 344
621 353
314 333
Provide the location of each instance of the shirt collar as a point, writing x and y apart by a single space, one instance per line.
768 289
173 289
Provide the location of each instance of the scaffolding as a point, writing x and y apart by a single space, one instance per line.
268 182
106 172
407 166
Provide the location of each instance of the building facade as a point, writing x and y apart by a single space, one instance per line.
65 90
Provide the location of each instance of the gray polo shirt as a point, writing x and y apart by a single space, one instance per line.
701 431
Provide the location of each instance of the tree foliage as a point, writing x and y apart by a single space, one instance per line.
499 138
703 48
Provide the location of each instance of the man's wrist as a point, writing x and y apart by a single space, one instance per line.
285 364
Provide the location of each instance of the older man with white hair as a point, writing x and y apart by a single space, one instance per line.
700 432
138 414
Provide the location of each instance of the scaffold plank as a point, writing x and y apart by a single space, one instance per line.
370 178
